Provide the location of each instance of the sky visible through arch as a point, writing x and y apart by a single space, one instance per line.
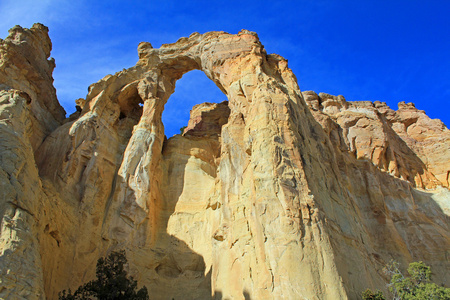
192 89
391 51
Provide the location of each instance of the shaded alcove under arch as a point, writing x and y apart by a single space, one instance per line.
193 88
182 258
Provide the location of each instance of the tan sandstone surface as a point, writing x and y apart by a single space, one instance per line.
273 194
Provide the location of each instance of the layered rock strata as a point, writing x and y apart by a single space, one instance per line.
273 194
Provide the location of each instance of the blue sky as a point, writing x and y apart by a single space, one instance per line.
390 51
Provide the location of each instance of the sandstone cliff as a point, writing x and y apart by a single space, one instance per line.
274 194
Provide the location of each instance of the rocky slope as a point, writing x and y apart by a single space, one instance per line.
273 194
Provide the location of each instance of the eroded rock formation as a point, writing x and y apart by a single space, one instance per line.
273 194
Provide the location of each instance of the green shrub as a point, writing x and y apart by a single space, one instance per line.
417 286
112 283
369 295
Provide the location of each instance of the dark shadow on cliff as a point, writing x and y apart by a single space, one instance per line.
392 218
179 270
166 265
219 296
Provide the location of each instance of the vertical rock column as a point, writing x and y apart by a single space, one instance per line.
138 190
134 212
20 197
29 111
270 240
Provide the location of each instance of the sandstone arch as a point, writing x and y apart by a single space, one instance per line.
260 89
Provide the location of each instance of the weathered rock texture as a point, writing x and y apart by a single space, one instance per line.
274 194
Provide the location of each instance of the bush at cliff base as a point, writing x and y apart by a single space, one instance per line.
112 283
417 286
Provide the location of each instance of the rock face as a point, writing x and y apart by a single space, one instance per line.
273 194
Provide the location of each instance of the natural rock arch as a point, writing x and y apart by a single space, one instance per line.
239 66
257 85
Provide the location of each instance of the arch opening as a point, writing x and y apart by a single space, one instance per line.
189 168
192 89
130 103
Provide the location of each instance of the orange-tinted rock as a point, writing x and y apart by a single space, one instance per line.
207 119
